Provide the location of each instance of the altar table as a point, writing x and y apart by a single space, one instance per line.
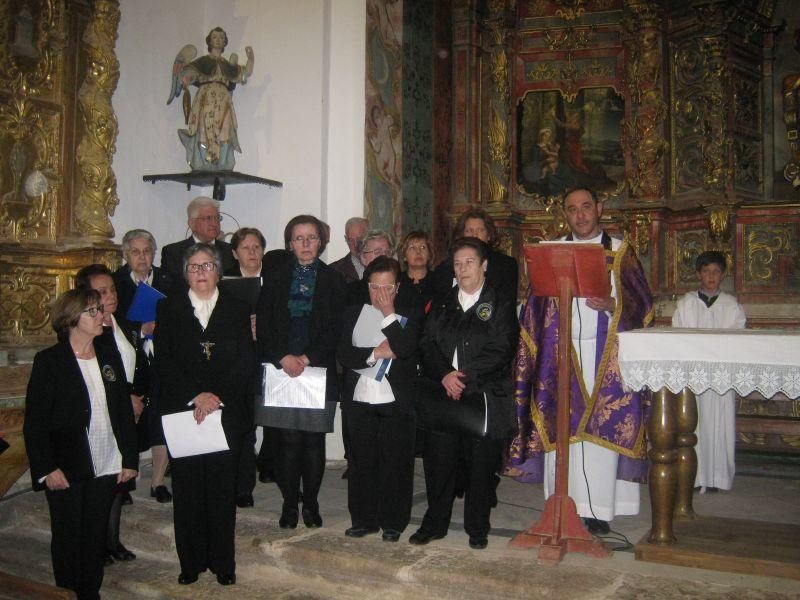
676 364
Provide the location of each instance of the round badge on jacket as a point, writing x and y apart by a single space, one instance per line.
484 311
108 373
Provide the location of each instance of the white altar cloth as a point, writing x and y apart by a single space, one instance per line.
744 360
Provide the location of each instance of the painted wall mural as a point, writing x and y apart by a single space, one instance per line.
383 196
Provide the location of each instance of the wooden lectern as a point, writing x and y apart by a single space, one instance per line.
566 271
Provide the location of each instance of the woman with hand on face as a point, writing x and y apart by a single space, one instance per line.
138 249
137 373
380 413
466 405
205 362
297 325
80 438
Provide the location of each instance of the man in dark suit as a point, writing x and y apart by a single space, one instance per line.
204 221
350 266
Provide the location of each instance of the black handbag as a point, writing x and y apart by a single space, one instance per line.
438 412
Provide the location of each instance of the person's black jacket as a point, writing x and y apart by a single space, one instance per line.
172 258
403 372
184 370
502 273
58 410
486 337
272 318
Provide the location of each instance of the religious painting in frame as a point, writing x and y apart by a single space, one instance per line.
562 145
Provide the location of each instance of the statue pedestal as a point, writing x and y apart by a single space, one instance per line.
219 179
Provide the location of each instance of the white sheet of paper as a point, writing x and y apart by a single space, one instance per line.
304 391
186 438
367 332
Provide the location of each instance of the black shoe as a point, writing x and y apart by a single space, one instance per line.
422 537
244 500
161 494
121 554
109 560
390 535
346 473
126 498
288 519
596 526
187 578
359 532
228 579
478 542
266 476
311 518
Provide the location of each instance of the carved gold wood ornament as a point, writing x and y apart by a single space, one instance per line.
97 197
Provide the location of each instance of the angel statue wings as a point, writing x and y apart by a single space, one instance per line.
210 136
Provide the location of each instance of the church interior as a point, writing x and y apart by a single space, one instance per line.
683 116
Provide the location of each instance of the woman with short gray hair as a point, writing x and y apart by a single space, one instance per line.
205 363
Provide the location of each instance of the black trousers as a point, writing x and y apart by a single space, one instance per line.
204 511
298 456
265 460
246 471
380 484
444 450
78 522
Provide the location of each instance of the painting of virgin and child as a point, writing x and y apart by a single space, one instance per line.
562 144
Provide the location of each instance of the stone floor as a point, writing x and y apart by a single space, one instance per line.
323 563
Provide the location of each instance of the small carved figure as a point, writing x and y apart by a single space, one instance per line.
210 137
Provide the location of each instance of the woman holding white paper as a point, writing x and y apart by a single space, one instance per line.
297 323
204 352
380 405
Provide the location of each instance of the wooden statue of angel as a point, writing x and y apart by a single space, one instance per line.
210 137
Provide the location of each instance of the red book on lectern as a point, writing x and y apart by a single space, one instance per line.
583 264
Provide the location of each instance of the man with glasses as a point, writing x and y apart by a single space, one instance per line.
350 266
372 244
204 222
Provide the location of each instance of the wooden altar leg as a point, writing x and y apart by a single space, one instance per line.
662 429
686 414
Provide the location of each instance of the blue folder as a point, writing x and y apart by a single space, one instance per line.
143 306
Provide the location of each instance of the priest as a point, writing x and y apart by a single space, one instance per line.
607 422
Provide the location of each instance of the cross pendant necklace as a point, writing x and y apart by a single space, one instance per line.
207 349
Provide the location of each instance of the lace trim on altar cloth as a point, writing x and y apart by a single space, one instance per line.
699 377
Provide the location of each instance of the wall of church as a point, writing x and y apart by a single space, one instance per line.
301 114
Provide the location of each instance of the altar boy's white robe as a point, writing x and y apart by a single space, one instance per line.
605 496
716 414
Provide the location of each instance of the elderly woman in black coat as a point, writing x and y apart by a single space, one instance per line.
80 438
204 356
466 403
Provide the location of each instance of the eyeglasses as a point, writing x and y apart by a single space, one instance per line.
389 287
418 247
195 267
209 219
303 239
378 251
93 310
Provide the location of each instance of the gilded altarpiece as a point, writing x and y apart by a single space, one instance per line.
671 111
58 72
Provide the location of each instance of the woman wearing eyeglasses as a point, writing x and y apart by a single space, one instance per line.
205 357
416 281
373 244
380 409
80 438
297 325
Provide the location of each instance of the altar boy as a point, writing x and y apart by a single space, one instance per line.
711 308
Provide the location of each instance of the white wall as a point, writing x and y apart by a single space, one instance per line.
301 115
